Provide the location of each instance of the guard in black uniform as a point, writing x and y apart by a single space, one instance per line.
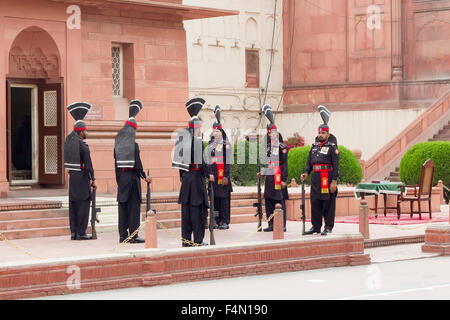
276 171
129 171
189 159
323 161
219 149
77 160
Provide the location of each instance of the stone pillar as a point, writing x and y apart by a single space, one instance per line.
437 239
362 163
278 228
364 219
440 185
4 184
151 239
397 53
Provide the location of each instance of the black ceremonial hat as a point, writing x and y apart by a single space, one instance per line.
267 109
78 110
135 108
217 124
325 114
193 107
124 143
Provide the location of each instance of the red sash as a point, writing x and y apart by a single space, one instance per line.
220 169
323 176
324 180
276 175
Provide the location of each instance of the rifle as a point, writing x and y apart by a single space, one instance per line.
94 211
302 207
258 206
212 214
148 198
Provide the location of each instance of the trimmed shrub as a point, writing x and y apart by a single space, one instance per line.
244 174
297 158
414 158
350 171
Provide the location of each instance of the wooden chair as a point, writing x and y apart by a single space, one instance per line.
422 191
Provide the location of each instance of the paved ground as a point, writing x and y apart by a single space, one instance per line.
26 250
424 279
108 241
400 271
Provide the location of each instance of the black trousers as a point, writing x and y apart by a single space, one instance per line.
223 206
79 216
325 209
270 208
193 222
130 214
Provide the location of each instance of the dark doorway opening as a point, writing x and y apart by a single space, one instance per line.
21 134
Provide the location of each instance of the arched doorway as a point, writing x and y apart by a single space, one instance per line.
34 106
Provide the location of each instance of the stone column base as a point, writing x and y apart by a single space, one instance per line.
437 239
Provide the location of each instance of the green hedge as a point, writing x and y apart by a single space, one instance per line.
350 171
414 158
244 174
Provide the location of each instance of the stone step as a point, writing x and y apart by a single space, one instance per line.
440 139
443 135
176 223
171 206
33 214
394 174
21 224
33 223
37 233
21 205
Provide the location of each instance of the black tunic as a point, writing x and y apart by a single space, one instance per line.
126 178
216 151
80 181
193 187
327 153
276 156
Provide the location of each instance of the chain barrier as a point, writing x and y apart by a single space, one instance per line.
257 230
129 237
4 238
186 241
193 244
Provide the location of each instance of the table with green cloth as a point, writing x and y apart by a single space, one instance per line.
376 188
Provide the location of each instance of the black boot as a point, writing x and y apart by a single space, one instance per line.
137 239
311 231
84 237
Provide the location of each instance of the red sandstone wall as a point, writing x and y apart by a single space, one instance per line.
427 39
155 72
158 49
337 60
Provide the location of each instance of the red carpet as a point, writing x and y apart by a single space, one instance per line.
391 218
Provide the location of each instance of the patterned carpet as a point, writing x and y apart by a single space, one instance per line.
391 218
